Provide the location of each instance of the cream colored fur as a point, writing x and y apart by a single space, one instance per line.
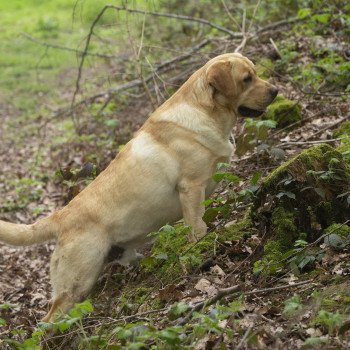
163 174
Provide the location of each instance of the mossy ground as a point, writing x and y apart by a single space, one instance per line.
343 129
284 112
172 254
301 196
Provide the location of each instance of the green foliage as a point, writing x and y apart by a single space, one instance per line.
329 320
254 132
340 229
292 306
342 129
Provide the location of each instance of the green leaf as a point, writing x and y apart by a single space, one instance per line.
7 306
320 192
300 243
302 13
287 194
2 322
149 262
305 261
210 214
111 122
217 177
161 256
269 123
177 310
292 305
321 18
136 346
335 241
255 178
81 309
168 229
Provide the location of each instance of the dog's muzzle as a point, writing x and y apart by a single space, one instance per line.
249 112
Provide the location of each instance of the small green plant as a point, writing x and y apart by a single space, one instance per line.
292 305
328 320
255 132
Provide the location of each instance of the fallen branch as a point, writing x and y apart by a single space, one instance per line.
232 290
296 143
221 293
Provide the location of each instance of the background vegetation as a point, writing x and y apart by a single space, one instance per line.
78 78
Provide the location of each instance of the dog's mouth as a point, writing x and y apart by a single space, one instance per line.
249 112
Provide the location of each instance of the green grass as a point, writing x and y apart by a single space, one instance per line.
32 74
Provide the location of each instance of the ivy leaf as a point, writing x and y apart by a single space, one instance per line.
308 259
287 194
335 241
320 192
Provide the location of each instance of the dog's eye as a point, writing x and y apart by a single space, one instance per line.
248 79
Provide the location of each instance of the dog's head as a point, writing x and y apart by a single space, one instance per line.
235 85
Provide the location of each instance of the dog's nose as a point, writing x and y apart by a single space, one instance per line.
273 92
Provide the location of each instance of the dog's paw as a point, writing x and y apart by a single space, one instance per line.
130 257
198 232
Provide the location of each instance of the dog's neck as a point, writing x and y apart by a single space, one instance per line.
196 95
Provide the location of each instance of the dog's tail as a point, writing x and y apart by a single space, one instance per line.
23 235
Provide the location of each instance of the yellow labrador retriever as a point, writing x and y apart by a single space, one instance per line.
163 174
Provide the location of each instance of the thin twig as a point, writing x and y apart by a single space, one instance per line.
291 143
76 51
245 336
282 23
80 69
229 14
160 68
221 293
275 48
181 17
331 126
232 291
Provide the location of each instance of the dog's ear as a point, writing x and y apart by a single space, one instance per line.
219 76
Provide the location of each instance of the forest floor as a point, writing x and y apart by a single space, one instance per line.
35 148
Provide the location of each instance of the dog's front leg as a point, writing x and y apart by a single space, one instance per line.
192 195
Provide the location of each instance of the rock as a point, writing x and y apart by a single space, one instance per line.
284 112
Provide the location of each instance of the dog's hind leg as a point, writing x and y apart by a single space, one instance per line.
74 269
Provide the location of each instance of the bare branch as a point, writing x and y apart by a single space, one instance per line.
181 17
232 290
76 51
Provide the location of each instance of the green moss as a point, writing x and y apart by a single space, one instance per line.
271 260
172 254
284 228
343 129
339 229
284 112
302 195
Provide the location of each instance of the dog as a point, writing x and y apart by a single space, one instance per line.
162 175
